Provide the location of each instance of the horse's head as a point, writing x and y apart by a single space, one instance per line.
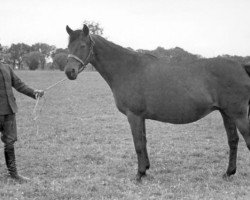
81 49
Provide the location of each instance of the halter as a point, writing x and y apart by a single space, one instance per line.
87 60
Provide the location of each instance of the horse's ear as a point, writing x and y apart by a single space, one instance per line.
69 30
85 30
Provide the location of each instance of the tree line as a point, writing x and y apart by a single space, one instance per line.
39 55
179 55
21 55
45 56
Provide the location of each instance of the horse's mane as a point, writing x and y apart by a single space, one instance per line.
111 44
122 49
76 34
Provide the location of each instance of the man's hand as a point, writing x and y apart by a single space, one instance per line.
38 93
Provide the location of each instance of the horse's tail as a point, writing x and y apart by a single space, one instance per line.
247 68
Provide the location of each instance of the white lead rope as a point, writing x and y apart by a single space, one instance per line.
34 112
38 98
48 88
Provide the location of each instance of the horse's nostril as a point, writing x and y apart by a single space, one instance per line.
73 71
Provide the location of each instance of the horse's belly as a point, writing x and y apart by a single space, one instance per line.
177 116
179 110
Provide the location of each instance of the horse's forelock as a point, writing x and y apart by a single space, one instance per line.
74 35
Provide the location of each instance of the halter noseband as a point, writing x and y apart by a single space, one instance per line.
87 60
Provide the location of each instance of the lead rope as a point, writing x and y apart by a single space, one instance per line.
35 113
84 64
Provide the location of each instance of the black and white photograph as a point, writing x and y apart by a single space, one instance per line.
124 99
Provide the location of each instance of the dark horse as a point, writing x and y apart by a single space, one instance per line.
145 87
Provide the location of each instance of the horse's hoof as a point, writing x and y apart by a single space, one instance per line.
138 179
226 177
139 176
231 172
228 174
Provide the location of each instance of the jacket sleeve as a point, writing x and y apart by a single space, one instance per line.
20 86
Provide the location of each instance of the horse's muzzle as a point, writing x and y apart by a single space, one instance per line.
71 74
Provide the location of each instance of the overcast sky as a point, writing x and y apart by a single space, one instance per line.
205 27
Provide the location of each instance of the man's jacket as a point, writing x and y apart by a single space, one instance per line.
10 79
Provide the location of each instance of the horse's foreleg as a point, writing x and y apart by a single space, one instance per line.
233 140
137 124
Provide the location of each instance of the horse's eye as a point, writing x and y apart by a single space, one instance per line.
83 45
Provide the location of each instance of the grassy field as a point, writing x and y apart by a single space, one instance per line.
83 149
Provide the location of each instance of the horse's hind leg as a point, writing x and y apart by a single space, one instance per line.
145 145
243 125
137 124
233 140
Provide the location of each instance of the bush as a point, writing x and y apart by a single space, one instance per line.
34 60
60 61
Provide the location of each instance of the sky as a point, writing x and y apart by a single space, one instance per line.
205 27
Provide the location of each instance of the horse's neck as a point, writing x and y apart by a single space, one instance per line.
112 61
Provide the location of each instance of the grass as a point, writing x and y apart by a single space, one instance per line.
83 149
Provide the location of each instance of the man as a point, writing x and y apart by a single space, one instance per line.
8 109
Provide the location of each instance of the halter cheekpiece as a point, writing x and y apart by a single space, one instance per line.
87 60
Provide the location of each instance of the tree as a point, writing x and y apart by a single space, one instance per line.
4 55
4 49
43 48
59 50
60 61
16 53
239 59
174 55
59 57
1 54
94 27
34 60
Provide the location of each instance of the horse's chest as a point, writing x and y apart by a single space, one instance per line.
129 99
